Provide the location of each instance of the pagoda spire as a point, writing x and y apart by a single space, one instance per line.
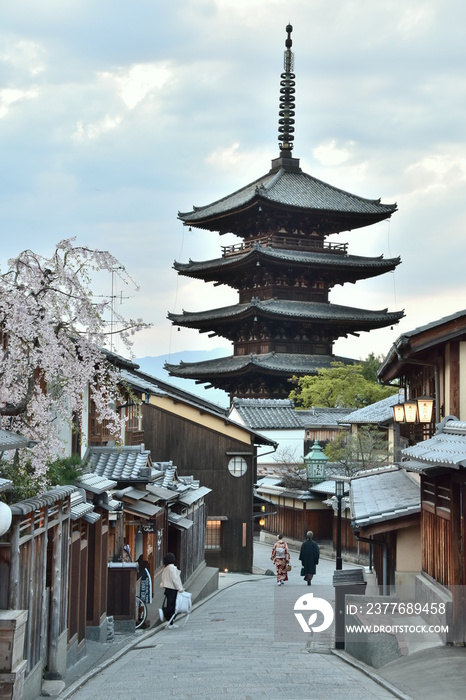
287 100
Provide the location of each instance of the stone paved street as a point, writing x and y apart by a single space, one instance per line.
232 647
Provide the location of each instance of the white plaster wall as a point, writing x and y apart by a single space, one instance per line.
290 447
408 561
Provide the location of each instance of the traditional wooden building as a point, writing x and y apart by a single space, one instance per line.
202 441
294 431
283 269
385 515
441 462
430 361
46 559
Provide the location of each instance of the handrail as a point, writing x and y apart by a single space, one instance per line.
285 243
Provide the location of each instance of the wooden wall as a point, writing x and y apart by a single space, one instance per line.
35 564
295 522
189 545
443 511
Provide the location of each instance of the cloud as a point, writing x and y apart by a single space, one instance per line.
115 117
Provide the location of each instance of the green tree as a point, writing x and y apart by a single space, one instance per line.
26 484
339 386
365 449
370 366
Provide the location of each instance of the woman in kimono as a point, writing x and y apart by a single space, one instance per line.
281 557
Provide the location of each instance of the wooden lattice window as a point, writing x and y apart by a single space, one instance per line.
134 417
213 537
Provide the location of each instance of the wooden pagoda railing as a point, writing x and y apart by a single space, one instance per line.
286 243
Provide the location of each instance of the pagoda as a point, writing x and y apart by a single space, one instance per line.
283 269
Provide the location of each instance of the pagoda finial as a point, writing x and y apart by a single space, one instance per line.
287 91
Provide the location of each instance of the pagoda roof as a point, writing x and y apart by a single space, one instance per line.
268 363
352 266
307 311
290 190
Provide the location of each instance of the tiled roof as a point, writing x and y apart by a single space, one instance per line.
292 189
308 258
59 493
325 417
120 464
12 441
80 508
383 495
269 362
95 483
379 412
260 414
263 414
5 484
446 449
420 339
306 310
327 486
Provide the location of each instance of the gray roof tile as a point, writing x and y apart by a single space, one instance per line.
120 464
379 412
293 363
307 310
293 189
262 414
12 441
447 448
383 494
321 260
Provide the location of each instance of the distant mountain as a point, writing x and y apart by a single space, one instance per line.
154 367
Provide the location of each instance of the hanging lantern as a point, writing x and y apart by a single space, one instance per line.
410 409
425 408
398 413
5 518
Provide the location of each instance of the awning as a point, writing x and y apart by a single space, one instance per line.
162 493
130 492
142 508
179 521
187 498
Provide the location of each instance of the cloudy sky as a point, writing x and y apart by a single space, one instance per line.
116 115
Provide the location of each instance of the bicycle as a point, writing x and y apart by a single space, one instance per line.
141 612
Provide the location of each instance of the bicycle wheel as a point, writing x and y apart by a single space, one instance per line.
141 612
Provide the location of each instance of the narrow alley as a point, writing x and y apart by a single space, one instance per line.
238 644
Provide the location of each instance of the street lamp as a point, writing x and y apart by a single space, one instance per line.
339 493
315 462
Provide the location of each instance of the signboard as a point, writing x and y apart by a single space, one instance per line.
147 526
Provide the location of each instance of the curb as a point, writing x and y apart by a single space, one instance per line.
369 671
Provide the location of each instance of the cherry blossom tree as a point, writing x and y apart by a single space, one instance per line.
53 338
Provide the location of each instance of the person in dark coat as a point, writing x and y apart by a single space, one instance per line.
309 557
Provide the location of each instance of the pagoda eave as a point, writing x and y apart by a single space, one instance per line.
311 313
255 375
233 269
249 219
